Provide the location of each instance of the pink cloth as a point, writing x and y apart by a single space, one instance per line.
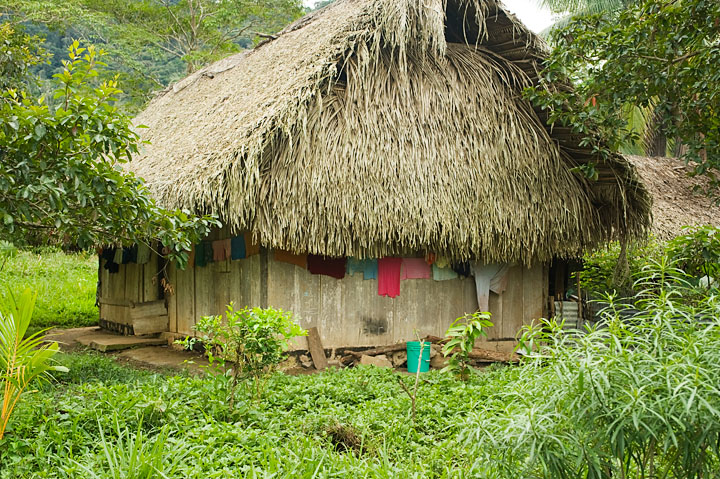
415 268
389 276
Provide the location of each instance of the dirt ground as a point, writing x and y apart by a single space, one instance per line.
155 357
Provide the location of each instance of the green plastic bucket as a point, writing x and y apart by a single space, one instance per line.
413 354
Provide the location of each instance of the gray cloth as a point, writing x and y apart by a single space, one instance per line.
143 253
489 277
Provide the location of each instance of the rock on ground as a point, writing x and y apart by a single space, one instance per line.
380 361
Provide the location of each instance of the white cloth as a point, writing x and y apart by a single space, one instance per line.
489 277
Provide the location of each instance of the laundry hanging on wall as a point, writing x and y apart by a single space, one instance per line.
118 258
299 260
203 253
129 254
219 251
443 274
415 268
334 267
368 267
462 269
489 277
251 247
143 253
108 254
389 276
237 248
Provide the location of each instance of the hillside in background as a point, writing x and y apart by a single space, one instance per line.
151 43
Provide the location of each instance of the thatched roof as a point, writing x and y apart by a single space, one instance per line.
378 127
675 204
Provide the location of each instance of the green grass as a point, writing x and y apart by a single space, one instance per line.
636 398
65 284
292 432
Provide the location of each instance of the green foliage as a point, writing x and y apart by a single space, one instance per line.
585 7
252 340
601 274
65 283
462 334
22 359
19 52
697 251
135 456
658 55
289 433
153 42
60 168
636 396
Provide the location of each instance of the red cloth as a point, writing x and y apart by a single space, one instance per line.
389 276
334 267
415 268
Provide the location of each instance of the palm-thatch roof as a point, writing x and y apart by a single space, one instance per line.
375 127
675 203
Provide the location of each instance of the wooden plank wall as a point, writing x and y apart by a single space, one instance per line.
134 282
349 312
206 291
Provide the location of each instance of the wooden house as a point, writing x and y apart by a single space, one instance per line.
372 129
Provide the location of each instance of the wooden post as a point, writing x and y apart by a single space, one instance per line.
317 352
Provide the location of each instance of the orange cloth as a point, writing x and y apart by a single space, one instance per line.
430 258
288 257
251 247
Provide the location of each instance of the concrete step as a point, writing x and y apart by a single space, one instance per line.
104 341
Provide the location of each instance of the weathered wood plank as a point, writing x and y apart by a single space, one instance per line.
383 350
150 325
317 352
533 293
133 283
204 294
149 309
116 313
172 298
150 288
185 293
512 303
330 318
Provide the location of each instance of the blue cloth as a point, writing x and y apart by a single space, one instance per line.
237 248
368 267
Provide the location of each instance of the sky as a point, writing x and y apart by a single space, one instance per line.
529 12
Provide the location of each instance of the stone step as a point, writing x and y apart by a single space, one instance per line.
104 342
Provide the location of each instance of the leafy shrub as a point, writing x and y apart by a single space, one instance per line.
697 251
601 274
252 340
462 334
637 396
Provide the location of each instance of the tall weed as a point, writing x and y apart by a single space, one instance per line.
637 396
